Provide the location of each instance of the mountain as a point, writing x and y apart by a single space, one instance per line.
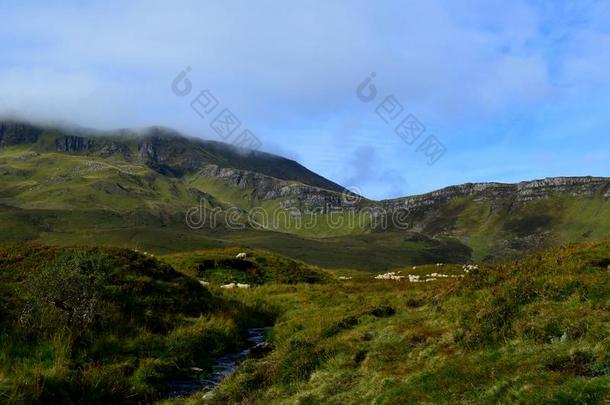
67 185
502 220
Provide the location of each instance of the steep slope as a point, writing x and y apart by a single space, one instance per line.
164 150
500 220
66 185
154 169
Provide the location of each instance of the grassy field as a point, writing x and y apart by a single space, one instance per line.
90 325
163 234
113 325
536 331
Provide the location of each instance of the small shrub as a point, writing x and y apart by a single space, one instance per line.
413 302
383 311
580 363
69 288
601 263
360 356
344 324
302 359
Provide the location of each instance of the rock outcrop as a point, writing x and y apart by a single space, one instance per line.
294 196
16 133
584 187
73 144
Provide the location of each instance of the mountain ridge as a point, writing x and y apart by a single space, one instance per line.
70 139
156 145
153 176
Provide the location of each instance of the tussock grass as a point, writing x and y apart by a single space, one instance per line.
103 325
533 331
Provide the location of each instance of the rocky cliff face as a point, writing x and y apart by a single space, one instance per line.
15 133
584 187
309 199
507 219
170 155
294 196
73 144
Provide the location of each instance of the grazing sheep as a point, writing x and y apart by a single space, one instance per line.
241 256
243 285
229 286
469 267
389 276
344 278
204 283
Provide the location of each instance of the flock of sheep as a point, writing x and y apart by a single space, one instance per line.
469 267
415 278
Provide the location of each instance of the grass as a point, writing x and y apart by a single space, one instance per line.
534 331
115 332
163 233
90 198
220 266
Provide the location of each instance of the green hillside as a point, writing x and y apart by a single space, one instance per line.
131 188
102 325
95 325
502 228
534 331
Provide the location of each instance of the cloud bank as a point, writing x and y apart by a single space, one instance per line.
505 86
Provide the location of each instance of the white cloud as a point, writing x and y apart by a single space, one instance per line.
292 67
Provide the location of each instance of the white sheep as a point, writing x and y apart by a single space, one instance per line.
469 267
243 285
241 256
344 278
389 276
204 283
229 286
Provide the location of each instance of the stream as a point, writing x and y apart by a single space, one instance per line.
223 367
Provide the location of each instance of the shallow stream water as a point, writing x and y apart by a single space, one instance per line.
223 367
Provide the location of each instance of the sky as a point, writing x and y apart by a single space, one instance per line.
503 91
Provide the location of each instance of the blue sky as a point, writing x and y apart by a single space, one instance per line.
514 90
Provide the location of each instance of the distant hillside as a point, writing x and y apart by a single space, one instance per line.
502 220
164 150
134 187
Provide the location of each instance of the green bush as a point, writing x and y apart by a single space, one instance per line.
89 325
70 290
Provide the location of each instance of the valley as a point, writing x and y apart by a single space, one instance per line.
125 187
122 255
